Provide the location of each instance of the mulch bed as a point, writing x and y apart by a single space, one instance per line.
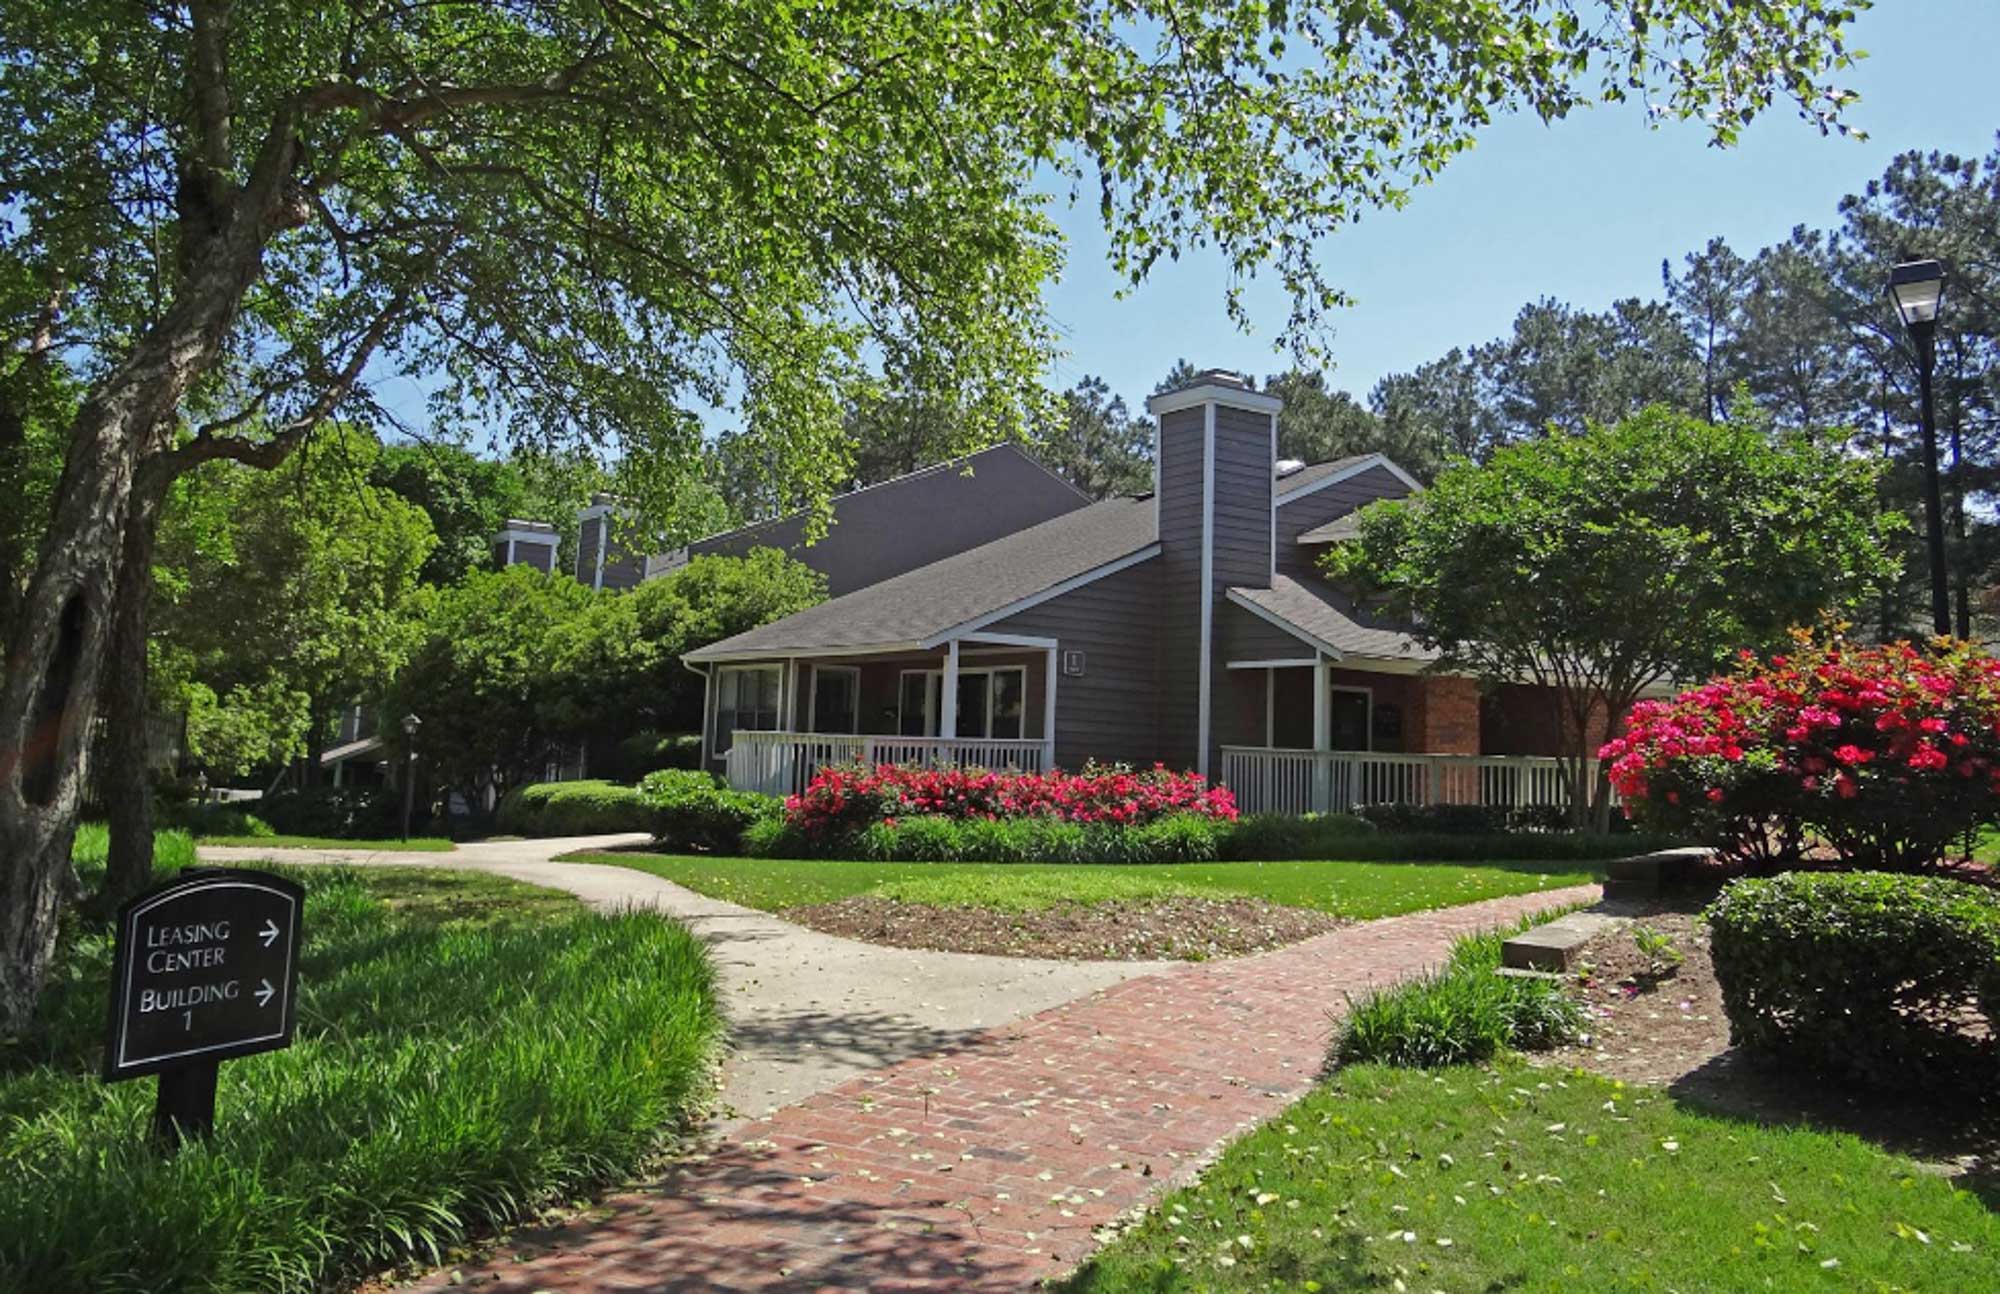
1182 929
1669 1030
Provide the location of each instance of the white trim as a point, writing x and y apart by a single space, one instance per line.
703 654
1048 707
603 545
1274 500
1368 724
1273 618
1010 640
1202 699
924 711
948 693
529 534
1212 393
707 706
716 676
1156 476
1056 590
1349 472
812 696
1280 662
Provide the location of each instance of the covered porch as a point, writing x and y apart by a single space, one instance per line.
1312 734
981 699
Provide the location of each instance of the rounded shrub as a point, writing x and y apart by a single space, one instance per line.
582 808
1879 978
690 809
342 812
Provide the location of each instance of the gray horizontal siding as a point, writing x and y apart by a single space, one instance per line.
1110 713
1316 509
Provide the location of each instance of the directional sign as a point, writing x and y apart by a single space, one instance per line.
206 968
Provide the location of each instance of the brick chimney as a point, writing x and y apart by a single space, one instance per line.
1212 489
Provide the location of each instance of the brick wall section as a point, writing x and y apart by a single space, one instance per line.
990 1167
1442 716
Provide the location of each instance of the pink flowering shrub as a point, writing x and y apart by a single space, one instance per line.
1886 754
849 798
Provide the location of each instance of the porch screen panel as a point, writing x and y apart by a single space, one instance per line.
834 700
746 700
1009 702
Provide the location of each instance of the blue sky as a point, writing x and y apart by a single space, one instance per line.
1583 211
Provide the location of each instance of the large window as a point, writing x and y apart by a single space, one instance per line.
836 698
991 702
746 698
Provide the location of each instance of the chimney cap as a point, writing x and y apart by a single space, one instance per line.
1223 385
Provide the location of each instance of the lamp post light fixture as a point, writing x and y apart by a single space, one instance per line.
1918 290
410 725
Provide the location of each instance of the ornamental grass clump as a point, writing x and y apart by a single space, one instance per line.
1885 754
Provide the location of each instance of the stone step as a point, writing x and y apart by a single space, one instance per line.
1645 875
1554 946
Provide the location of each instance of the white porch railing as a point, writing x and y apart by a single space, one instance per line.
1268 780
781 763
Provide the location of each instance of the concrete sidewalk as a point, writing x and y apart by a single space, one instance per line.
807 1011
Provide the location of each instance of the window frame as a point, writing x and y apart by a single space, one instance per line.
853 673
933 695
725 671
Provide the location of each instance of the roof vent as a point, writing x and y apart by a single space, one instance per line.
1286 466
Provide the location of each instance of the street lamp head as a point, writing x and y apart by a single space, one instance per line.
1917 287
410 725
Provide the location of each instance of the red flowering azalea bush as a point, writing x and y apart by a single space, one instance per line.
1886 754
842 799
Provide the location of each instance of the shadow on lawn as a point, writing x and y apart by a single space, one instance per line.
1961 1138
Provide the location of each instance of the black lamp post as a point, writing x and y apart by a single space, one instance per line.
1918 287
410 725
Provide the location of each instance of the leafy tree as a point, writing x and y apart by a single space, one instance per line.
1440 406
1563 369
1097 443
1627 556
484 680
1793 350
1708 295
283 596
584 220
1320 423
621 661
468 499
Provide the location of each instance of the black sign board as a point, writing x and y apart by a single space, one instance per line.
206 968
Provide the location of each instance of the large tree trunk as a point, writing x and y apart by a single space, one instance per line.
60 637
125 778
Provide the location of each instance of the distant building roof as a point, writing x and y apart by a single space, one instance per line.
917 607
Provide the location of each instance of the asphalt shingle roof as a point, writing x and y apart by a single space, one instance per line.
1339 530
1314 471
919 604
1315 612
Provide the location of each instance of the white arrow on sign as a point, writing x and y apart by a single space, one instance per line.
269 934
265 994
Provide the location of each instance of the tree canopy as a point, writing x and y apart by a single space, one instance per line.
1624 557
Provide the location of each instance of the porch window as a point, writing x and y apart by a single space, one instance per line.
836 698
991 702
746 698
1350 726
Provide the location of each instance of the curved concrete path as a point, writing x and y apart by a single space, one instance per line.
807 1011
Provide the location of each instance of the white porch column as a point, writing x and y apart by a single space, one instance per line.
948 689
1049 710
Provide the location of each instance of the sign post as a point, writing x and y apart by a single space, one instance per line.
206 968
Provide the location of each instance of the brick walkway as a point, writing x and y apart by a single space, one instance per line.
989 1167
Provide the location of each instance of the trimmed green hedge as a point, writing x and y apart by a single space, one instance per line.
1865 975
340 812
584 808
1181 839
692 810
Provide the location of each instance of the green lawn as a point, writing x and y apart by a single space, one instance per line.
414 845
469 1048
1360 890
1518 1179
